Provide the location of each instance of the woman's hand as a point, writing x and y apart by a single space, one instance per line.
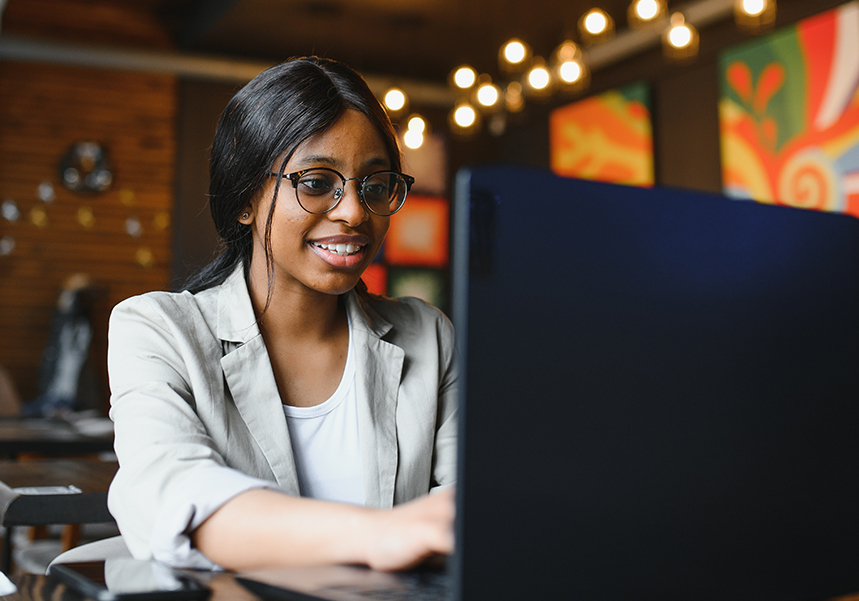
408 534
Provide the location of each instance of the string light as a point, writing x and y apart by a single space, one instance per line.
644 12
464 118
755 16
395 99
539 79
487 95
596 26
416 128
568 67
463 77
514 55
680 40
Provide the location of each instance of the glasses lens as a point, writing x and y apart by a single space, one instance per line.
384 192
315 190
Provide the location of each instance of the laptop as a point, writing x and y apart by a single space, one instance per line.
660 399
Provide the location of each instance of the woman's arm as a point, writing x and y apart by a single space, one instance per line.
261 528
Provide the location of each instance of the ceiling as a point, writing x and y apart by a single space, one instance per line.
421 39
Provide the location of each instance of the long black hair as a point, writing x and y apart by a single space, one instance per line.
267 119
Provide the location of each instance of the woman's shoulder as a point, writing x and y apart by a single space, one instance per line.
169 307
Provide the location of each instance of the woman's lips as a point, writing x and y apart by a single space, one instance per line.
342 255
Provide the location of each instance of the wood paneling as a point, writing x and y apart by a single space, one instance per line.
46 109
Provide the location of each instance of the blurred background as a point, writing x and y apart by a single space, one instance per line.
107 109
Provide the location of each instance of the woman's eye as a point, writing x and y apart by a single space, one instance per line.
315 185
378 190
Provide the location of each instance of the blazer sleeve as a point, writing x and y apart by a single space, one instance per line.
171 474
444 452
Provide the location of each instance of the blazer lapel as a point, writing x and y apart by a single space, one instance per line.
379 366
249 376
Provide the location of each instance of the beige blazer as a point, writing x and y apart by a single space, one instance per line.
194 399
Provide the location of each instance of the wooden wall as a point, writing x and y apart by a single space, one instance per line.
44 109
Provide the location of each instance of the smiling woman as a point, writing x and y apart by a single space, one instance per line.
264 416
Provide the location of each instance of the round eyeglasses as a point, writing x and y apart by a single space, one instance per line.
321 189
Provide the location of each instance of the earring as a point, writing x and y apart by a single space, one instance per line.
246 215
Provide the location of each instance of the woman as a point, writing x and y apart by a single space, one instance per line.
275 413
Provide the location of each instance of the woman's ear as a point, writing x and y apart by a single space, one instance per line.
247 216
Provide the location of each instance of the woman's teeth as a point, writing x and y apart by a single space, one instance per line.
340 249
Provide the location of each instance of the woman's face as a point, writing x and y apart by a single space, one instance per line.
324 253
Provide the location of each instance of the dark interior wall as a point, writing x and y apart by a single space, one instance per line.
195 240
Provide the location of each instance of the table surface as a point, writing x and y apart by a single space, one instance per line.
49 437
89 506
36 587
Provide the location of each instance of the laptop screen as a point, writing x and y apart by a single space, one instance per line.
660 393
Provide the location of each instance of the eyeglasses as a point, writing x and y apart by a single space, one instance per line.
318 192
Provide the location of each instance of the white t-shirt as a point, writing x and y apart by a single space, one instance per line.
326 443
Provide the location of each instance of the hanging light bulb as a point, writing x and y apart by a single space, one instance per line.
464 118
487 95
568 67
644 12
463 77
755 16
395 100
596 26
680 40
539 78
416 130
513 56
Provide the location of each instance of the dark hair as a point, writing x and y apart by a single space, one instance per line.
269 118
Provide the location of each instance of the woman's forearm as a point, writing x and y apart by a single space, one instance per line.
261 528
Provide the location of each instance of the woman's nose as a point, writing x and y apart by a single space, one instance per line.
349 209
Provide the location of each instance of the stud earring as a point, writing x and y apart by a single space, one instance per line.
246 215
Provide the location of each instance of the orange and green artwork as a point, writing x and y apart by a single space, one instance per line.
607 137
789 115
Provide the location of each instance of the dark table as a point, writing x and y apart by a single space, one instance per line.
46 502
48 437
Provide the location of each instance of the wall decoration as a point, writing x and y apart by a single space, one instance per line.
86 218
418 234
10 210
789 115
426 284
38 217
607 137
84 168
45 191
7 245
427 164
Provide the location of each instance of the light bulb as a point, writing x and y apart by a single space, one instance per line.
680 36
413 138
395 99
539 78
417 124
646 9
595 22
570 71
465 116
753 7
464 77
514 52
488 94
596 26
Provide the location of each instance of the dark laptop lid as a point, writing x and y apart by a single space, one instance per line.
660 397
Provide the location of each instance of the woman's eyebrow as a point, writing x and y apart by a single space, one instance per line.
333 162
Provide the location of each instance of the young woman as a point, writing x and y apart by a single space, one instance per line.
275 413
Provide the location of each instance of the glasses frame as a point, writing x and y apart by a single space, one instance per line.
339 192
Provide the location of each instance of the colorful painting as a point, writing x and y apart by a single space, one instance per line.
789 115
376 278
426 284
418 234
607 137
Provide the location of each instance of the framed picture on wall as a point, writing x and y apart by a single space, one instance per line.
789 115
607 137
